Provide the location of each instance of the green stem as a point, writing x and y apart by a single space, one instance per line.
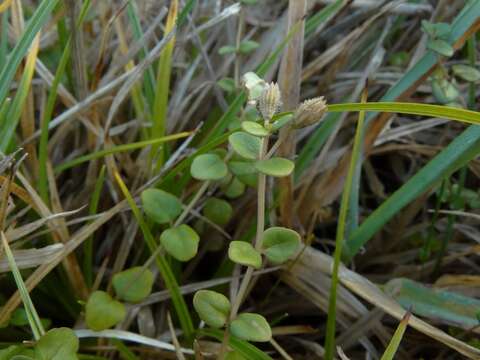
88 246
192 203
262 182
332 304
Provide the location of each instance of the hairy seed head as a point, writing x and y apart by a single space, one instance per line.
270 101
310 112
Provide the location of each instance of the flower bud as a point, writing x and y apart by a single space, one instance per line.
270 101
253 85
310 112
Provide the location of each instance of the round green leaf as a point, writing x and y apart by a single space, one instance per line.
246 145
248 46
218 211
212 307
229 49
234 188
275 166
251 327
400 58
134 284
279 244
161 206
281 120
436 30
440 46
19 317
57 344
468 73
227 84
245 172
181 242
444 91
254 128
208 167
244 253
103 312
16 351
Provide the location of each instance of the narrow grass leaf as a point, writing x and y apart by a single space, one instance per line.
88 245
342 218
444 112
149 77
392 347
47 116
317 21
245 349
35 23
160 105
461 150
33 318
116 149
16 108
462 23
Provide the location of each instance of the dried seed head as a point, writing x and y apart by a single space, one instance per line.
270 101
309 112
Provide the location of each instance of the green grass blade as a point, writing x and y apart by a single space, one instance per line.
464 21
461 150
47 116
160 104
35 23
444 112
392 347
312 24
15 110
341 227
248 351
116 149
187 9
149 78
162 264
3 38
32 315
88 245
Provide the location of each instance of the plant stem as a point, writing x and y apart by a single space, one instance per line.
262 184
192 203
342 219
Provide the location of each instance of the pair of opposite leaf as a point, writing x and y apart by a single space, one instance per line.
133 285
278 245
214 309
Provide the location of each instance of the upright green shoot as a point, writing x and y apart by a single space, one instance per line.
342 218
160 106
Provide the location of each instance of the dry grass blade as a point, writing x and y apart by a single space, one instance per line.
317 261
26 259
289 81
129 336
